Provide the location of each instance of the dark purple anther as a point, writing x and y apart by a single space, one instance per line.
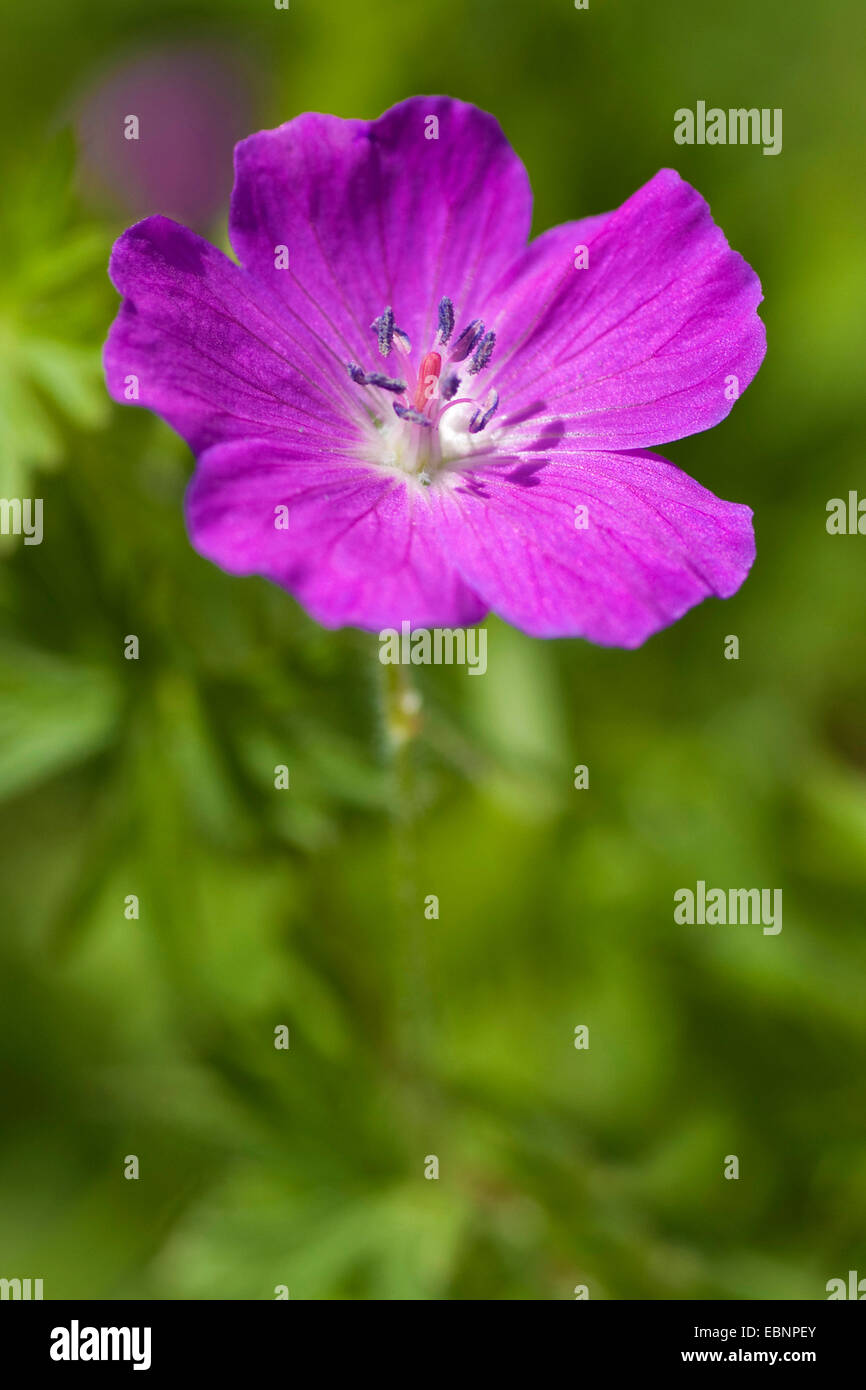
387 383
362 378
401 342
383 327
446 319
450 386
467 340
480 419
414 417
483 353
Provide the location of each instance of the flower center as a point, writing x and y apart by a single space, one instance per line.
428 420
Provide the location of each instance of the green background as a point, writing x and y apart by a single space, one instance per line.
454 1037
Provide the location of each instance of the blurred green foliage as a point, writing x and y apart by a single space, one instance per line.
453 1037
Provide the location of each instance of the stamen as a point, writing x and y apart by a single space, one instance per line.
483 353
450 386
479 419
467 340
446 319
401 342
414 417
385 383
383 327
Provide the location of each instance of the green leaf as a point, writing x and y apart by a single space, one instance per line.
53 714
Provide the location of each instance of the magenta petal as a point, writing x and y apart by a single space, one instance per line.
376 213
211 350
656 543
642 346
362 548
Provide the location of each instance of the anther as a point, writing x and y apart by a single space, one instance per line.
413 417
450 386
446 319
385 383
483 353
383 327
482 418
401 342
467 340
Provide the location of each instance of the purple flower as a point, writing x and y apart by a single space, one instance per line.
402 411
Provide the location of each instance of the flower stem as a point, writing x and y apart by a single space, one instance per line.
402 721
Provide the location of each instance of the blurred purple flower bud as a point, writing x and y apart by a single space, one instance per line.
190 104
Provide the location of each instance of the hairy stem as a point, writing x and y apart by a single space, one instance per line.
402 721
